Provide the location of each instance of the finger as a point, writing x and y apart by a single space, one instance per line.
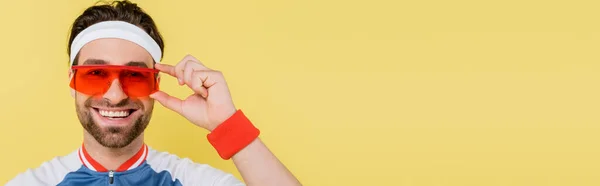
210 78
199 89
192 58
203 80
165 68
168 101
179 69
189 69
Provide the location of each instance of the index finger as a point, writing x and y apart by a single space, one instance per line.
166 68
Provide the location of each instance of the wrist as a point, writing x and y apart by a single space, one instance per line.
224 117
233 135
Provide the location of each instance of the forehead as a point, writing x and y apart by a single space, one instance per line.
114 52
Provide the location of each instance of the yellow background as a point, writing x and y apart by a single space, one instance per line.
421 93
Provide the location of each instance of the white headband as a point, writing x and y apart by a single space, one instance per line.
116 29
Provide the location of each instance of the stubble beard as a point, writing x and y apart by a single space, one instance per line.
113 137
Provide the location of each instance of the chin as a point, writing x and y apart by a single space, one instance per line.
114 127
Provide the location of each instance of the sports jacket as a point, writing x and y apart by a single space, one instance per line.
147 167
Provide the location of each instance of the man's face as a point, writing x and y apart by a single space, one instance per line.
114 119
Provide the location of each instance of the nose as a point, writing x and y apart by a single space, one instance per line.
115 93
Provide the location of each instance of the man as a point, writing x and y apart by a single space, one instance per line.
115 52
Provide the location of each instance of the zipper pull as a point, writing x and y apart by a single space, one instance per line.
110 177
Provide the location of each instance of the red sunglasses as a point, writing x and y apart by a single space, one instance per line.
96 79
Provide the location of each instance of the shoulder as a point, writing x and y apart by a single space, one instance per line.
50 172
189 172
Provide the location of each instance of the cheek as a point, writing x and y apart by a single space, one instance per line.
148 104
80 98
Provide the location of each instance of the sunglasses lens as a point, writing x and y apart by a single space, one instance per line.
94 80
91 81
138 83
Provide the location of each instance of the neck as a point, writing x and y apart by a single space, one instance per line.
111 158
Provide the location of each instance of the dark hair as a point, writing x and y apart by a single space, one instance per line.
115 11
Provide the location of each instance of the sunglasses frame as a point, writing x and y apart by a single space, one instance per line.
124 67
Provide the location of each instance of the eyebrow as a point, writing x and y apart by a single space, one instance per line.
103 62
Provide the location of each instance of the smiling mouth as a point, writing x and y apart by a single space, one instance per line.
115 114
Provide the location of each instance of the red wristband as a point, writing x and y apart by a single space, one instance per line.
233 135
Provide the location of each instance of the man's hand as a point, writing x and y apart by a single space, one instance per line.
211 103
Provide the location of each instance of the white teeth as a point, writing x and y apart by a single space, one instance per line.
106 113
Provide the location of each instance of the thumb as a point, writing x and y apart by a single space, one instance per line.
168 101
